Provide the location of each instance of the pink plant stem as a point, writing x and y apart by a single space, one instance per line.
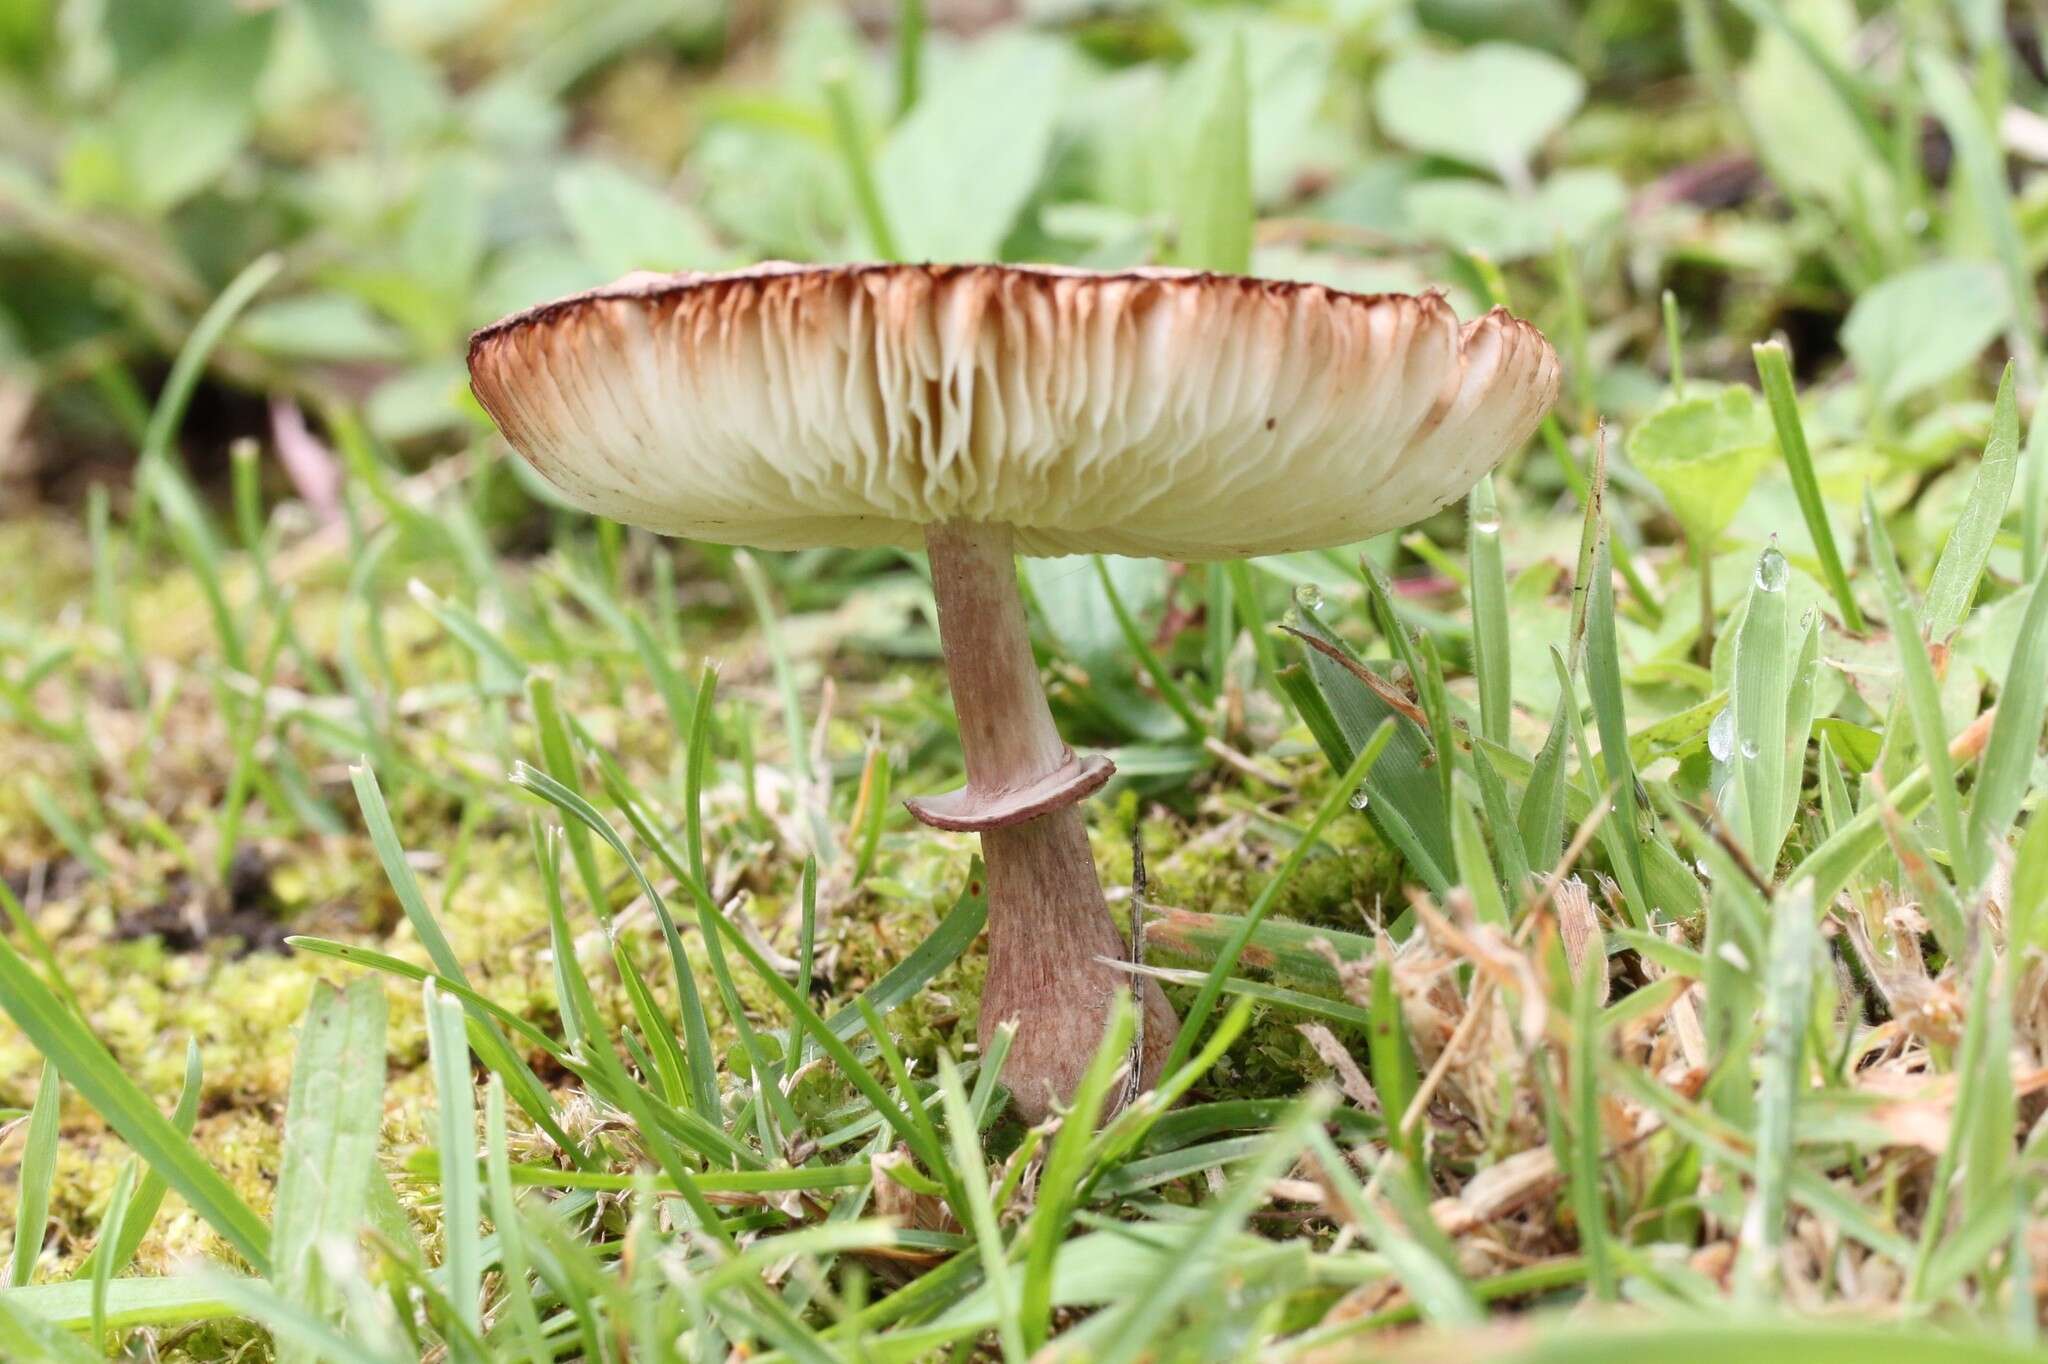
1047 920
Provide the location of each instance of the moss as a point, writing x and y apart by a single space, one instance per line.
468 841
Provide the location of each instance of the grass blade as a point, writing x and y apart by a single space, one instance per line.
1226 960
1980 166
1492 661
1774 368
455 1133
2005 774
1969 544
971 1173
86 1065
111 1224
1541 817
32 1187
1139 1321
1148 658
23 1335
332 1118
1788 995
492 1047
1603 683
1759 762
2034 500
505 1217
150 1189
1060 1181
1923 699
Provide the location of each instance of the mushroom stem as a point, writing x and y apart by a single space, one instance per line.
1047 921
1006 731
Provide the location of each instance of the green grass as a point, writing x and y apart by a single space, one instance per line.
1609 921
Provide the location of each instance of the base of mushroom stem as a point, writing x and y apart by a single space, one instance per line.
1048 928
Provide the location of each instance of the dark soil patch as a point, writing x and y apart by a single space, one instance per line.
190 917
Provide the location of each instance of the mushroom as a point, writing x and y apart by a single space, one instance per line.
982 411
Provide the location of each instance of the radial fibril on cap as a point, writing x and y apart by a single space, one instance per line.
980 410
1147 412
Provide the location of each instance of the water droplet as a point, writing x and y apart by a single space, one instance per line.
1721 735
1771 571
1750 750
1489 526
1359 799
1309 597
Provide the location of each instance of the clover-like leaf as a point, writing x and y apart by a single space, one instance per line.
1491 105
1704 452
1917 328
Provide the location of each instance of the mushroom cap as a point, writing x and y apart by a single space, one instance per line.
1155 413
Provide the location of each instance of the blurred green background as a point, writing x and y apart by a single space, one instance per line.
424 166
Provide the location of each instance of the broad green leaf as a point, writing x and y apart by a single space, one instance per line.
183 121
399 90
322 326
1916 329
1474 215
623 224
1492 105
958 171
1216 209
445 232
27 32
1816 146
1076 611
1704 452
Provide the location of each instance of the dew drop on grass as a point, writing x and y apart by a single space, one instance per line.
1771 571
1721 735
1308 597
1359 799
1489 526
1750 750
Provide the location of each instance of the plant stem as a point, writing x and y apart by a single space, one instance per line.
1703 567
